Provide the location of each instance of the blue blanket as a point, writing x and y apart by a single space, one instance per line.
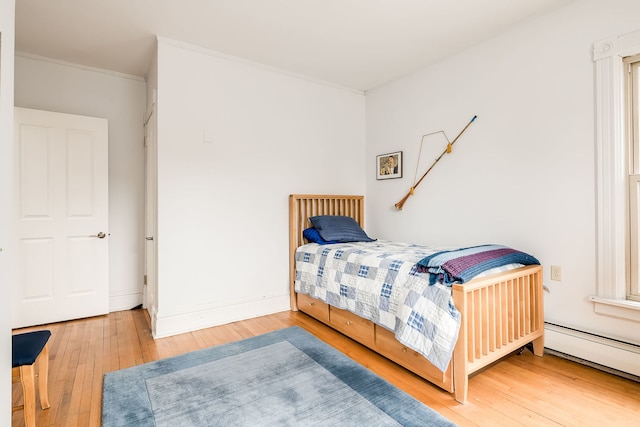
462 265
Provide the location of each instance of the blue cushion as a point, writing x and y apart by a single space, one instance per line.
312 235
27 347
339 228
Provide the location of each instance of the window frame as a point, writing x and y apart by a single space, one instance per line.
612 175
632 123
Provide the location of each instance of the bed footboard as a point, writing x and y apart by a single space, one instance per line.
500 314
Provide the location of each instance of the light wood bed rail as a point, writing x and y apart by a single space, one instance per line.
500 313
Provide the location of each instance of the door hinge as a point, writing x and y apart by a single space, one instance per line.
145 280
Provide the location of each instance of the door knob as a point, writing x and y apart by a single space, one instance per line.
148 238
100 235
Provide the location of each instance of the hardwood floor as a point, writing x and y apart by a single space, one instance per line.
520 390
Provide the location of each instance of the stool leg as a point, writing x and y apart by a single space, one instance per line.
27 378
43 376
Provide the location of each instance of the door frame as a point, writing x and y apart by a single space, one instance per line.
150 286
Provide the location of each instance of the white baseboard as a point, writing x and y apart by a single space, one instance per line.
125 301
177 323
603 351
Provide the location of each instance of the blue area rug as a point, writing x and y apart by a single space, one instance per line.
282 378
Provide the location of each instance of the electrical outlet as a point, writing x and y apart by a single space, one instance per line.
556 273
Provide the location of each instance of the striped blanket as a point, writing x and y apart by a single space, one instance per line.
462 265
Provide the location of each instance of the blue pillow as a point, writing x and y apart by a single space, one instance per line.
339 229
312 235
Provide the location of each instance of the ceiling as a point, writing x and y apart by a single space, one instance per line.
358 44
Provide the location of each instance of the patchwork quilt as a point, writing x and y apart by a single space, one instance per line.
380 281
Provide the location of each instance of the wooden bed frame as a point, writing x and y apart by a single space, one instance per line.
500 313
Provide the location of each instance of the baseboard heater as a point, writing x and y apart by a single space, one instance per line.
600 352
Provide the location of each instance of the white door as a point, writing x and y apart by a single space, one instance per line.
150 294
60 217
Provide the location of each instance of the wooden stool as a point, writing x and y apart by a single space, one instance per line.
29 349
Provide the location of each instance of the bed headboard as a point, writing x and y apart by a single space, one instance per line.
301 207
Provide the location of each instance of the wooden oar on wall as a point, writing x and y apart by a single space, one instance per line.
401 203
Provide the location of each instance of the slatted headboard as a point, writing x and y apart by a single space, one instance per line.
303 206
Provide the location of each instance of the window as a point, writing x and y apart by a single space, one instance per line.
632 86
614 176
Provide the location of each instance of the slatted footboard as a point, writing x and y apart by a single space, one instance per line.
500 313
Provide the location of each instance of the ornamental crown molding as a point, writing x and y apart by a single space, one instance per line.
604 49
622 45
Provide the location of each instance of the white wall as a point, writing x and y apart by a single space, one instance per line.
222 206
53 86
523 174
7 8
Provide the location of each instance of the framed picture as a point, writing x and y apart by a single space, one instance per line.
389 166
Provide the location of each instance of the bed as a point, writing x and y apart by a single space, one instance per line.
497 313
